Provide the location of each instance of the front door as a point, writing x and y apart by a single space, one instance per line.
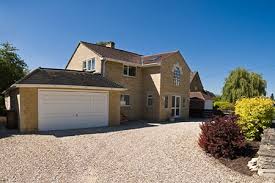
176 106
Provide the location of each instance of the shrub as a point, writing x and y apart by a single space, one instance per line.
223 106
255 115
222 137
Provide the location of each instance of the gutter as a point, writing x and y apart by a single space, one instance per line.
62 86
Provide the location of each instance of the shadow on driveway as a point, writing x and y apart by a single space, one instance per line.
65 133
4 133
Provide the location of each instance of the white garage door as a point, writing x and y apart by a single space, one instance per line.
58 110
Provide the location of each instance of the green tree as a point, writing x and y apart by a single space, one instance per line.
104 43
272 96
242 83
12 68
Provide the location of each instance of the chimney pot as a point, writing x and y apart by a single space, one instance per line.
110 44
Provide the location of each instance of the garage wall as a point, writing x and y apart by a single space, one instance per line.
29 108
208 104
114 108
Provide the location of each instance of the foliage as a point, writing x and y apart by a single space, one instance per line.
272 96
217 98
255 115
223 106
222 137
104 43
12 68
242 83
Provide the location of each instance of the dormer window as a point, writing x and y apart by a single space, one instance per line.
89 65
177 76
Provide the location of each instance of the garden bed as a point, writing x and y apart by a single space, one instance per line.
239 164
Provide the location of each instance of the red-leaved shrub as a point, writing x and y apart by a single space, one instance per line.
222 137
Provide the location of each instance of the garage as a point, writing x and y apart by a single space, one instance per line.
57 99
59 110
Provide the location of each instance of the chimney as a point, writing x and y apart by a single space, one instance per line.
110 44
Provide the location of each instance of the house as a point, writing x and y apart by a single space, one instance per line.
99 86
201 100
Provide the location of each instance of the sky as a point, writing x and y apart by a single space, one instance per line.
213 36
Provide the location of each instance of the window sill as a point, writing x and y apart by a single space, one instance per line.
129 76
125 106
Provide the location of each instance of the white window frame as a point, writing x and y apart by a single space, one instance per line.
92 66
123 102
176 76
128 68
149 96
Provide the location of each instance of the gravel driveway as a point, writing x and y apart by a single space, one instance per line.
130 153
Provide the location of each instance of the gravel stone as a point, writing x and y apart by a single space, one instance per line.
136 152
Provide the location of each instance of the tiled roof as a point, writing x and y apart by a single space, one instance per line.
156 58
114 53
67 77
201 95
192 75
127 56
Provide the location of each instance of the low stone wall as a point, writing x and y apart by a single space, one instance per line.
266 159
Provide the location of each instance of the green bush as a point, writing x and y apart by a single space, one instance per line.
255 114
223 106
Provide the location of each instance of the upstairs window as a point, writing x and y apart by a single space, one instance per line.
149 100
129 70
89 65
125 100
176 76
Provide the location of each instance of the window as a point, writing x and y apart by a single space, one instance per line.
165 102
124 100
129 70
84 66
89 65
89 62
177 76
149 100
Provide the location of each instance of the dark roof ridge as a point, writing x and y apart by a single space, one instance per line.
111 48
59 69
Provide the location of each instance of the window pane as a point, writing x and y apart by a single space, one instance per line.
173 101
173 112
89 65
93 64
127 99
177 76
132 71
84 65
177 112
150 101
166 102
177 102
125 70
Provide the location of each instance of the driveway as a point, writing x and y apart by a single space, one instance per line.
136 152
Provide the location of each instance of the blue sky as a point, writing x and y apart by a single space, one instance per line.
213 36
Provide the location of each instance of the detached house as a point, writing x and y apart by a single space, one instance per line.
101 86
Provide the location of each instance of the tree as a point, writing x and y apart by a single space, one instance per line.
104 43
272 96
242 83
12 67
